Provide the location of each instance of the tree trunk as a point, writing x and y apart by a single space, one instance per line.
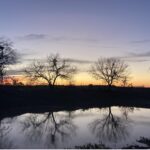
54 80
49 84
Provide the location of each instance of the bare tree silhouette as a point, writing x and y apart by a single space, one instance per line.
8 56
109 70
54 68
125 81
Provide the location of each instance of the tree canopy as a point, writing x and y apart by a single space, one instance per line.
8 56
54 68
109 70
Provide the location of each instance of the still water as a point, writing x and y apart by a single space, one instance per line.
115 127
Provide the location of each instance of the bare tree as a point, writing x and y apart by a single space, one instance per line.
15 81
7 57
124 81
109 70
54 68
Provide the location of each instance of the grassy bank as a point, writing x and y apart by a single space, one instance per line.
72 96
16 100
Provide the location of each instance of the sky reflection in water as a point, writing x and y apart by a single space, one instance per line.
115 127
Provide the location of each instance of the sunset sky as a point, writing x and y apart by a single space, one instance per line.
82 30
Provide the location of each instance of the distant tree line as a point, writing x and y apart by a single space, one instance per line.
108 70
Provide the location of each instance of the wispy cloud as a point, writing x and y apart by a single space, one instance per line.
70 60
140 41
20 71
25 54
33 37
15 72
80 39
65 38
144 54
50 38
136 57
78 61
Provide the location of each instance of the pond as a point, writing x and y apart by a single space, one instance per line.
111 127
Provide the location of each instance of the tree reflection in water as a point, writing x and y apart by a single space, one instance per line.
4 131
49 127
112 128
126 110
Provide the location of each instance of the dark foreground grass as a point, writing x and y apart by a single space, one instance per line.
62 96
70 97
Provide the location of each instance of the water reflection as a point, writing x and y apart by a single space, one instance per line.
111 127
4 132
49 127
126 110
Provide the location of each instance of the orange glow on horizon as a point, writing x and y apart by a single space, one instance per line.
81 79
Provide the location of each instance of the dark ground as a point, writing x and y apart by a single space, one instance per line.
18 99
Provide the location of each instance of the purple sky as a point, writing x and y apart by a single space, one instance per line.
80 29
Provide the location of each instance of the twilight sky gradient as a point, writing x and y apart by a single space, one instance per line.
80 30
